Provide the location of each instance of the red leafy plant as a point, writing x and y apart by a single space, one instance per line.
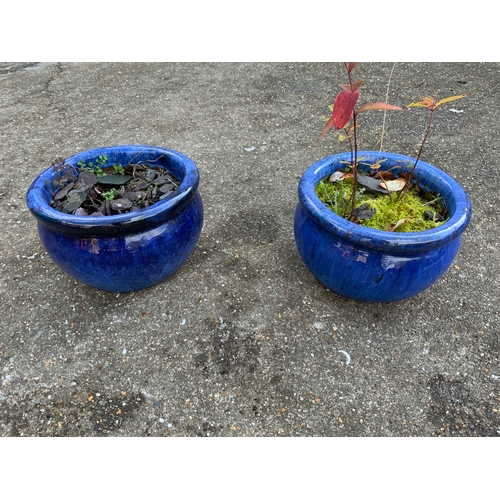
344 117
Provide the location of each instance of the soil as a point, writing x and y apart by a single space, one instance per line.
95 189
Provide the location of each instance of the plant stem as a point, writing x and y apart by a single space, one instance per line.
427 131
354 167
354 161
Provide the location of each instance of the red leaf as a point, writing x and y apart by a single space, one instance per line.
343 108
354 86
327 126
378 106
351 66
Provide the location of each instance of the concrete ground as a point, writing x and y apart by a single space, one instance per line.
243 341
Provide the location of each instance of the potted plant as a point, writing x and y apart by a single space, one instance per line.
140 236
343 227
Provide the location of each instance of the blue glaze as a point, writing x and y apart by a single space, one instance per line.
371 265
130 251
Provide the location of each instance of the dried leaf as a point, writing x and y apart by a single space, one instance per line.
393 227
449 99
376 165
427 102
394 185
432 104
385 174
339 175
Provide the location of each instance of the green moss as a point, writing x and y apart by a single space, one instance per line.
407 210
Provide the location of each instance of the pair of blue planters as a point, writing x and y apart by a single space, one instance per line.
137 250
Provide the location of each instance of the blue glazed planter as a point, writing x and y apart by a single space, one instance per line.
367 264
130 251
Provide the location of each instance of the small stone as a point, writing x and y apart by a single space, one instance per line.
166 188
64 191
364 212
150 175
130 195
163 179
74 202
81 211
121 204
87 178
161 420
114 180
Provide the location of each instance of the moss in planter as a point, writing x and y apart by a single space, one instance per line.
387 212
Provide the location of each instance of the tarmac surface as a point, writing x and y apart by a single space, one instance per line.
243 340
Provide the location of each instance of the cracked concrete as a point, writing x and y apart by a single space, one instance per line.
243 341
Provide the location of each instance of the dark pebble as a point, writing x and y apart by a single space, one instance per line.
64 191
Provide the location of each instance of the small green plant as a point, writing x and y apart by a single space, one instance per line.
96 168
118 169
345 118
109 195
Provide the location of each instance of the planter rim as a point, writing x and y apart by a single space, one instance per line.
421 241
36 196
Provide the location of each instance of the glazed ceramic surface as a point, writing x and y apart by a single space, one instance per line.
371 265
129 251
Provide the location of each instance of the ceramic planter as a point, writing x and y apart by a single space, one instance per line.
129 251
371 265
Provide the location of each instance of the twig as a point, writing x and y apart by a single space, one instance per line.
385 111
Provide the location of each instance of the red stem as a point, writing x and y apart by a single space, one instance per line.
354 161
420 150
354 167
